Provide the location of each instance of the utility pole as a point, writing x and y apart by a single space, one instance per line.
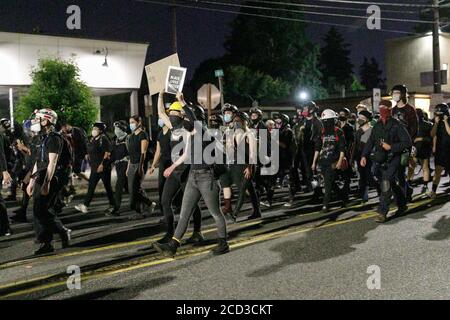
436 49
173 13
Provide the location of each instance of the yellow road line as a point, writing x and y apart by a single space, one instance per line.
205 250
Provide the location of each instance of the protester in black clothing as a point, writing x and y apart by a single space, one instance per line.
422 151
288 148
137 168
349 134
441 144
311 138
5 178
99 152
331 156
43 184
177 172
79 144
386 144
119 158
202 183
362 136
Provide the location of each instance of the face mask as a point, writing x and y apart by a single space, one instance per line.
119 133
161 123
342 118
255 121
385 114
133 127
188 125
361 122
328 124
176 121
36 127
95 133
278 125
227 118
396 97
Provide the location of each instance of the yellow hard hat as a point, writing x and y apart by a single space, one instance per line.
176 106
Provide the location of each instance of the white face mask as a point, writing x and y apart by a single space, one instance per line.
36 127
95 133
396 97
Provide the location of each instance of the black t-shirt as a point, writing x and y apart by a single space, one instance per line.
443 139
332 145
79 141
134 146
119 151
97 148
49 143
164 143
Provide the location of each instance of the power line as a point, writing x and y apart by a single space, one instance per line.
310 12
413 5
316 6
270 17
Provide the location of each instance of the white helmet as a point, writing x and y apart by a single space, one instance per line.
47 114
329 114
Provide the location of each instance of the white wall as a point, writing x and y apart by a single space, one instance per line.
407 57
19 52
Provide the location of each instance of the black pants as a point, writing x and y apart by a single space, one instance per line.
389 186
402 181
173 188
365 179
137 194
4 222
94 178
63 176
46 223
121 183
163 165
329 176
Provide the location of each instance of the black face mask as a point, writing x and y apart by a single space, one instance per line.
362 122
176 121
329 124
189 126
341 118
255 121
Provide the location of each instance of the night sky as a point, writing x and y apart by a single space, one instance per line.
201 34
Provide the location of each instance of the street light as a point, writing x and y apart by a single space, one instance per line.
303 95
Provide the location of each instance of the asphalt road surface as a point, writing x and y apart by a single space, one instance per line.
294 253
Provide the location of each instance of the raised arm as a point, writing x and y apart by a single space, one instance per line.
162 111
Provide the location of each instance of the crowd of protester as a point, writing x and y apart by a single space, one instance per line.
320 152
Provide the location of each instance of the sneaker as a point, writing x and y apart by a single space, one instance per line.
401 211
424 190
65 238
289 204
266 204
432 195
222 247
167 249
82 208
196 238
44 249
6 233
111 212
325 209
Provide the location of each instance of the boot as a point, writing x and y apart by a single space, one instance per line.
44 249
227 209
222 247
381 218
196 238
168 249
167 237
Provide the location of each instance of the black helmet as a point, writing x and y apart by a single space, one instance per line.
229 107
199 112
346 111
216 120
311 106
122 125
244 116
442 108
257 111
283 117
5 123
100 125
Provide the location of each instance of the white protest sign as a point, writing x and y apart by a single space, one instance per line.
175 79
157 72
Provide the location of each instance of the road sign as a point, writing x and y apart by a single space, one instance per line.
203 96
219 73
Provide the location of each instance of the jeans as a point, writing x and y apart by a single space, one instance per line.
389 187
137 194
201 183
173 186
94 178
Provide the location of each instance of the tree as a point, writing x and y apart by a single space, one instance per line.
335 62
56 85
276 51
370 74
